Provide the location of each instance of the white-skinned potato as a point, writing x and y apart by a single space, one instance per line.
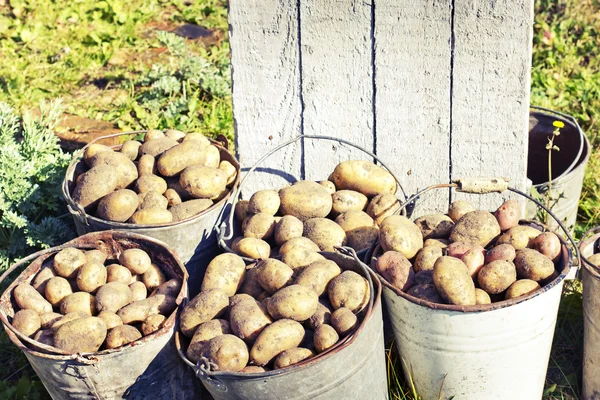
27 322
113 296
349 290
508 214
364 177
121 165
303 242
360 229
226 272
264 201
41 279
298 258
317 275
400 234
325 337
321 316
343 321
201 140
348 200
426 258
93 149
229 169
435 226
396 270
156 146
241 210
48 319
179 157
152 324
305 200
153 277
497 276
273 274
295 302
203 182
146 165
549 245
57 289
118 206
131 149
152 199
68 261
248 318
91 276
83 335
274 339
441 243
94 185
459 208
520 237
190 208
227 353
118 273
111 319
135 260
521 287
260 226
78 302
203 334
474 259
533 265
175 134
138 311
138 291
121 335
325 233
95 256
151 183
28 298
330 186
213 157
287 228
382 206
453 282
251 247
476 227
292 356
481 297
172 197
202 308
153 134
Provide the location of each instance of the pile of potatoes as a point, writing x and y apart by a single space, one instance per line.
269 315
169 177
467 256
346 209
78 304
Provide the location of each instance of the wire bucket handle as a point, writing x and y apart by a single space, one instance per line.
225 229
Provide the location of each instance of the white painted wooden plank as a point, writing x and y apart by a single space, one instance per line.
490 102
266 88
412 76
337 83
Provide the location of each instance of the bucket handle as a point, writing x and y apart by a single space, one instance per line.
491 185
223 233
83 359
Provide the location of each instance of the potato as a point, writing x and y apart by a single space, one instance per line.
48 319
91 276
153 134
501 252
213 157
291 357
520 237
424 277
317 275
273 274
151 183
248 319
288 227
190 208
321 316
474 259
330 186
120 164
179 157
294 302
360 229
441 243
382 206
453 282
436 226
343 321
121 335
174 134
349 290
113 296
173 198
146 165
533 265
156 146
203 334
41 279
348 200
118 206
28 298
111 319
277 337
83 335
400 234
252 248
458 249
264 201
131 149
459 208
138 311
94 185
325 337
305 200
250 283
153 277
138 291
364 177
481 297
27 322
44 336
426 292
79 301
172 287
204 307
521 287
152 199
229 169
68 261
549 245
396 270
201 140
203 182
426 258
226 272
303 242
151 216
325 233
497 276
68 318
227 353
476 227
508 214
594 259
137 261
93 149
57 289
260 226
241 210
118 273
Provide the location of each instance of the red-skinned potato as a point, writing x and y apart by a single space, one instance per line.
508 214
549 245
396 269
474 260
458 249
501 252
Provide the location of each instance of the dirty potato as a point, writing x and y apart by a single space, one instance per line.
325 233
78 302
508 214
294 302
321 316
118 206
476 227
497 276
317 275
426 292
325 337
364 177
349 290
435 226
27 298
94 185
57 289
248 318
348 200
426 258
260 226
202 308
203 334
227 353
520 237
152 200
251 247
110 319
292 356
27 322
459 208
400 234
225 272
121 166
67 262
533 265
288 227
190 208
549 245
277 337
113 296
382 206
118 273
203 182
521 287
501 252
453 282
83 335
305 200
264 201
121 335
343 321
360 229
153 277
396 270
135 260
273 274
481 297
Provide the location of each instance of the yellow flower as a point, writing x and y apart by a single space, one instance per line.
558 124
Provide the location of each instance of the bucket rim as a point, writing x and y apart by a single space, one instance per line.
566 257
86 241
587 239
78 212
341 345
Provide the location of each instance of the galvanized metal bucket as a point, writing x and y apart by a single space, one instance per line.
591 315
228 228
494 351
568 165
146 369
352 369
191 238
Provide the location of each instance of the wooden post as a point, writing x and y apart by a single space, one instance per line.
437 89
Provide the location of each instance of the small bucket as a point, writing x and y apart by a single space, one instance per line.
568 164
352 369
590 244
189 238
492 351
146 369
